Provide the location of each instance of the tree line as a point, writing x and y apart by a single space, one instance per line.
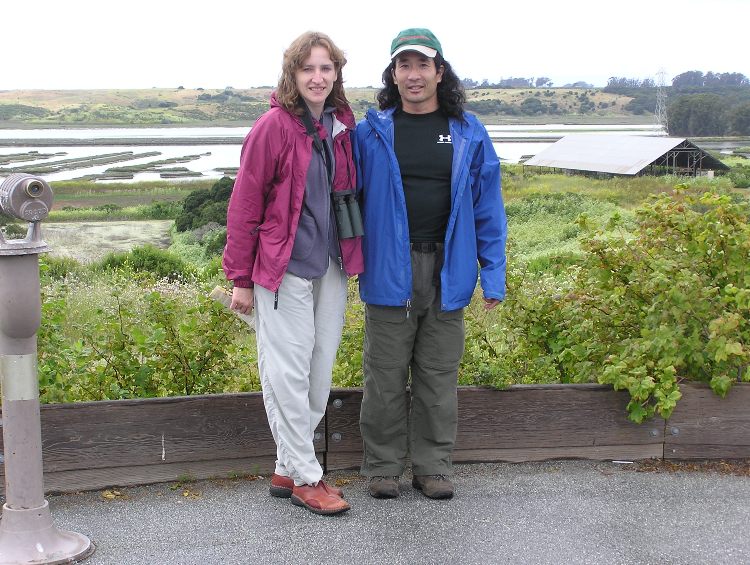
521 82
698 104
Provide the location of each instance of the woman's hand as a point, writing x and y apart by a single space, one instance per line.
242 300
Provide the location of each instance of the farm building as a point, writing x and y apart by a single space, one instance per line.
626 155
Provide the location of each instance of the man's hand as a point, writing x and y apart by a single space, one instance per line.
490 303
242 300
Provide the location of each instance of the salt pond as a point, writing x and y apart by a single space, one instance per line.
511 143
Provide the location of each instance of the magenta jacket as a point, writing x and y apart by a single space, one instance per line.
267 197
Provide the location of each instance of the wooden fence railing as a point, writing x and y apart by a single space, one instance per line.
91 445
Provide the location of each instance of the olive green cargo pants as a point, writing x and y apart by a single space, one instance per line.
426 344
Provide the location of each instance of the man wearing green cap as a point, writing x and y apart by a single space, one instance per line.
432 208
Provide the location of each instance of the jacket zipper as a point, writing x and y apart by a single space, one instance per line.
333 176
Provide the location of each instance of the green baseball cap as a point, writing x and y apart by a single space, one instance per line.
417 39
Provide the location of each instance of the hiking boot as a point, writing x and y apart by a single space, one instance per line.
319 499
383 487
282 487
433 486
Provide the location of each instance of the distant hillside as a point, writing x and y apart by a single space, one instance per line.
180 106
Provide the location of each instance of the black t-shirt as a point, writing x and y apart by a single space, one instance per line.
425 154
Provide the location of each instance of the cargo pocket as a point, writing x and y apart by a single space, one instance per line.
445 350
387 342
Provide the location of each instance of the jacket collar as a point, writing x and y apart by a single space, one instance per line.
343 115
382 122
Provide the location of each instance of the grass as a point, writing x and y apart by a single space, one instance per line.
627 192
89 194
734 160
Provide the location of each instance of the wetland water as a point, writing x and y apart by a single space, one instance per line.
218 148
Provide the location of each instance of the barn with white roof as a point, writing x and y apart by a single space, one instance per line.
626 155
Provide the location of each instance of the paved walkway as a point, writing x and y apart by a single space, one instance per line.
554 512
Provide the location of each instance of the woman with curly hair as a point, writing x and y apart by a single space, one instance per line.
287 260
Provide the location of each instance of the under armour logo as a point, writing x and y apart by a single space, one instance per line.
444 138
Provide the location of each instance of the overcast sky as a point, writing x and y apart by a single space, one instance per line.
217 43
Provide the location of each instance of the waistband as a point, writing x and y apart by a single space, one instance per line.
426 247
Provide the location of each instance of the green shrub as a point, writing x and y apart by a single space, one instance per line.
108 208
159 263
347 372
58 267
201 207
15 230
107 337
215 241
740 176
212 270
187 248
163 210
644 308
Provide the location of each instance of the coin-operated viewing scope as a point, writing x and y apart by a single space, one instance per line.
27 534
28 198
25 197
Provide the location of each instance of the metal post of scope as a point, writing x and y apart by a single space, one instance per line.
27 534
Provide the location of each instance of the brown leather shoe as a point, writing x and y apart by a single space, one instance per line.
281 487
433 486
383 487
333 490
319 499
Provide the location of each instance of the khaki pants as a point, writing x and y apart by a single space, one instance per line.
427 345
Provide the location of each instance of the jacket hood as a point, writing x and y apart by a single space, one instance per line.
344 115
380 120
274 100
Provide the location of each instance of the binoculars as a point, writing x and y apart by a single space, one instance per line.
348 216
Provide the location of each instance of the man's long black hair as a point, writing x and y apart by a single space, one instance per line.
450 91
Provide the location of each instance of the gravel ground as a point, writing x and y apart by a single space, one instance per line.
551 512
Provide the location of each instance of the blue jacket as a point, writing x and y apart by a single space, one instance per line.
477 226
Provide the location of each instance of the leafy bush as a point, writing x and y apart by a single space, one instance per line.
21 112
198 247
203 206
110 339
212 270
740 176
162 210
58 267
108 208
214 242
158 263
15 230
643 309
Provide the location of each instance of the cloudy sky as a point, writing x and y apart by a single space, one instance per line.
82 44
